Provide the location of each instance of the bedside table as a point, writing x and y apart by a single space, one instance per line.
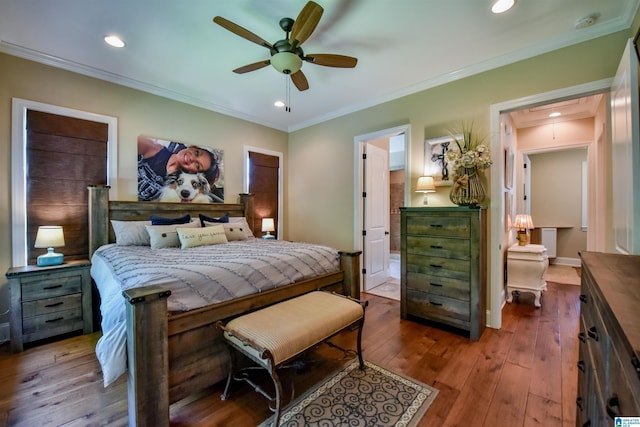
49 301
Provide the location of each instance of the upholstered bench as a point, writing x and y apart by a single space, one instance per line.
277 334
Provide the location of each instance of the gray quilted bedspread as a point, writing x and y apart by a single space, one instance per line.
206 275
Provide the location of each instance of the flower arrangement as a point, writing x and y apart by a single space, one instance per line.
472 151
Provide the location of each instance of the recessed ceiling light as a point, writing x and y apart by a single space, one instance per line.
114 41
554 114
500 6
279 104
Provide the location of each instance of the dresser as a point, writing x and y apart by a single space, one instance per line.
443 266
49 301
609 339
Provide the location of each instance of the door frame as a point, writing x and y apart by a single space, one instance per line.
359 142
19 108
245 179
497 235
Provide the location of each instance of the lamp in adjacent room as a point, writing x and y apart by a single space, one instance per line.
523 223
50 236
268 226
425 185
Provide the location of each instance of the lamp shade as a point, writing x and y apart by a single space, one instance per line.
523 222
425 185
49 236
268 225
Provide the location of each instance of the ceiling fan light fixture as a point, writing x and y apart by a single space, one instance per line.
286 62
500 6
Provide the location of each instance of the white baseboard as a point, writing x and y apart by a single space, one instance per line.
4 332
574 262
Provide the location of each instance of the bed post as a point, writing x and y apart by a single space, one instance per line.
350 265
247 200
148 356
98 217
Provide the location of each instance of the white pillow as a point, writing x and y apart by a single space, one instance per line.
240 220
131 233
166 236
192 237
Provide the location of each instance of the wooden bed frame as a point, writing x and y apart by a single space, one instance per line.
171 356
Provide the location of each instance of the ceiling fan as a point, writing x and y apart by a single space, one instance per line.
286 55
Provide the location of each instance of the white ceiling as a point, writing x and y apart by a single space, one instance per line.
175 50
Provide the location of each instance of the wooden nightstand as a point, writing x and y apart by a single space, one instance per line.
49 301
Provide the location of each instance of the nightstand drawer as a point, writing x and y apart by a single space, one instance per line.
61 321
38 288
51 305
439 226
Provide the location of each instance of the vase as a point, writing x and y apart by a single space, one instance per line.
467 187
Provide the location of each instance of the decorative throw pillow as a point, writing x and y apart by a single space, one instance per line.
203 218
131 233
233 231
240 220
192 237
158 220
166 236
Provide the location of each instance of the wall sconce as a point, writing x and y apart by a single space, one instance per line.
523 223
425 185
268 226
50 237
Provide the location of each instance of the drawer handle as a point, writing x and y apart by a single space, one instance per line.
438 285
582 337
57 319
581 365
613 401
435 303
579 403
436 225
593 333
436 266
587 423
636 364
584 298
55 304
436 247
52 287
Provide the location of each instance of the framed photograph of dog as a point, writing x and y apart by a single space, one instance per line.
170 171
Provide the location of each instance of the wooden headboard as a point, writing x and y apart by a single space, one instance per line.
101 211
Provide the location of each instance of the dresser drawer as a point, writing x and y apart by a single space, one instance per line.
594 331
37 288
430 306
439 247
61 321
51 305
439 226
444 286
440 267
624 385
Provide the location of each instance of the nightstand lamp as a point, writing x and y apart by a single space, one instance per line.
523 223
425 185
268 226
50 236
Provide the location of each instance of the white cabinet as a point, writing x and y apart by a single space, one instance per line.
549 238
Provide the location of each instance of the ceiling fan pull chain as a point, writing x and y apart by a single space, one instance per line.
287 93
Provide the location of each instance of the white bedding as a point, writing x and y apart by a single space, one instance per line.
196 277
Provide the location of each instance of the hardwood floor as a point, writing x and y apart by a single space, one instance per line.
521 375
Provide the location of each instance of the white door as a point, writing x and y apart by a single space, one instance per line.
376 216
625 154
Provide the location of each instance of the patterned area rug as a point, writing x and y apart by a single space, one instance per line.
351 397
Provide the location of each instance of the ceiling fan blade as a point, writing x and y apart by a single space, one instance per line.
252 67
242 32
330 60
305 23
300 80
